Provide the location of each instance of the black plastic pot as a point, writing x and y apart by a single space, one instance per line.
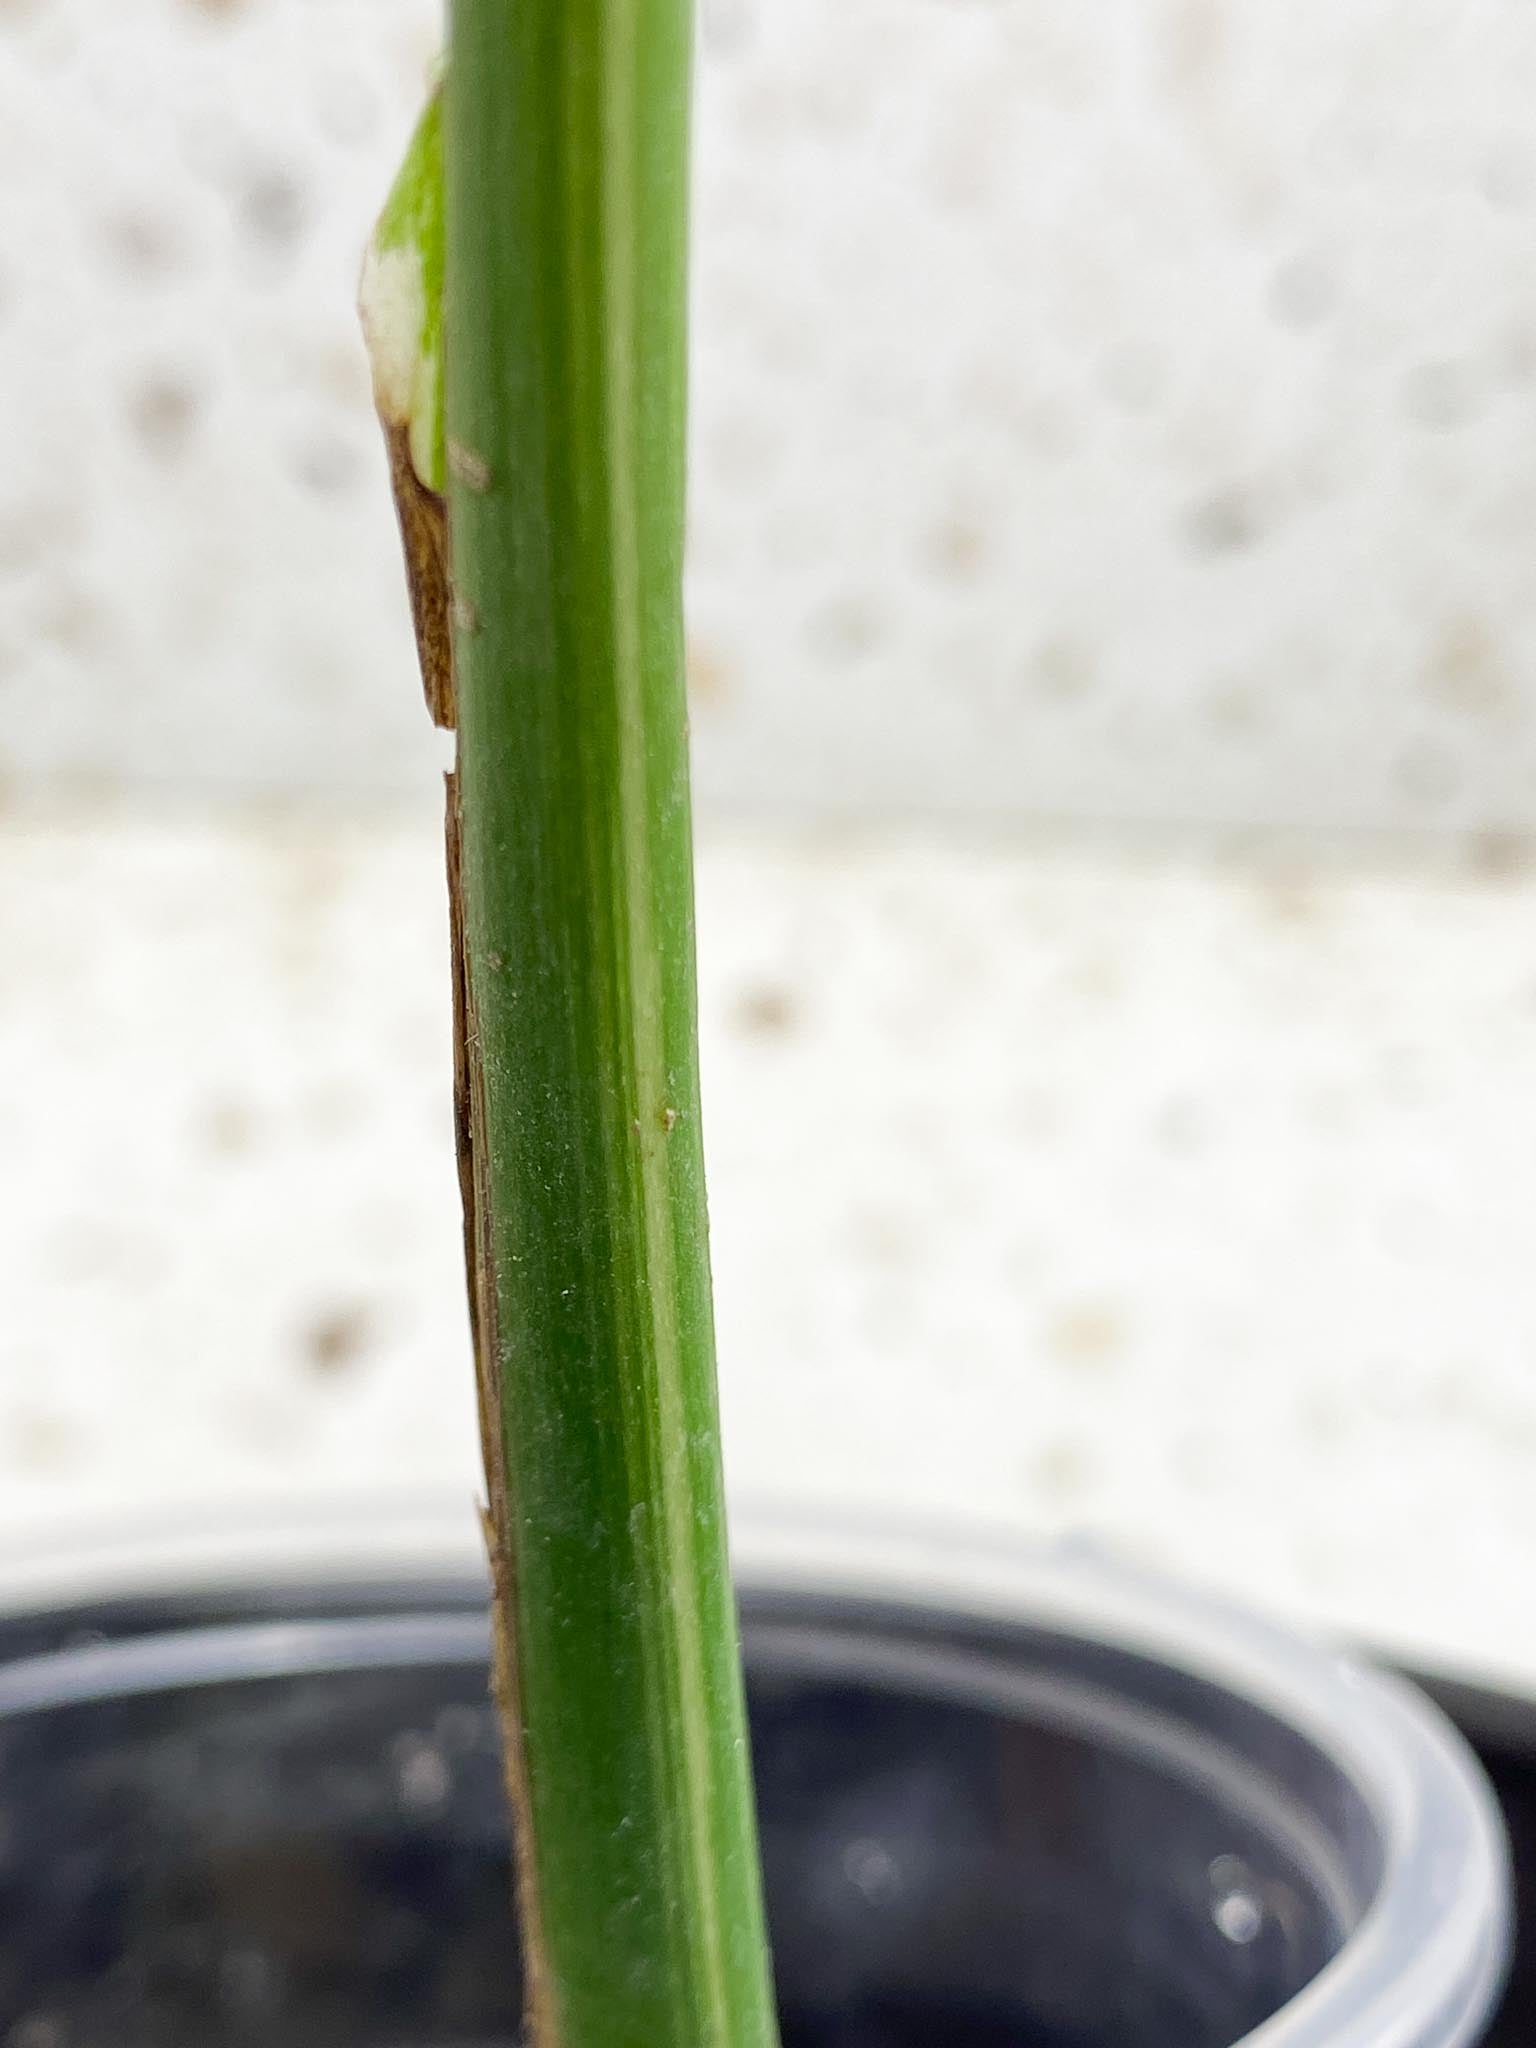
1501 1728
1024 1802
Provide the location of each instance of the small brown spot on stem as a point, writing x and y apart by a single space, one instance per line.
469 467
669 1121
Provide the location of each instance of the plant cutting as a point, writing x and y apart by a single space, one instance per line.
526 299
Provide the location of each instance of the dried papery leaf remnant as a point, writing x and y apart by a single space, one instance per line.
401 301
470 1133
423 517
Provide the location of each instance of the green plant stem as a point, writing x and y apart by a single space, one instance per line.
565 129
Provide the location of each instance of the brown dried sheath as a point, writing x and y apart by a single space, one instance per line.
423 517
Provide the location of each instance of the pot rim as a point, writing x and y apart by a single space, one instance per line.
1421 1970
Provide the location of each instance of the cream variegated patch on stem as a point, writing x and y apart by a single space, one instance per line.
401 302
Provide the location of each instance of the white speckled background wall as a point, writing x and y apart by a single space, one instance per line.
1106 418
1102 413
